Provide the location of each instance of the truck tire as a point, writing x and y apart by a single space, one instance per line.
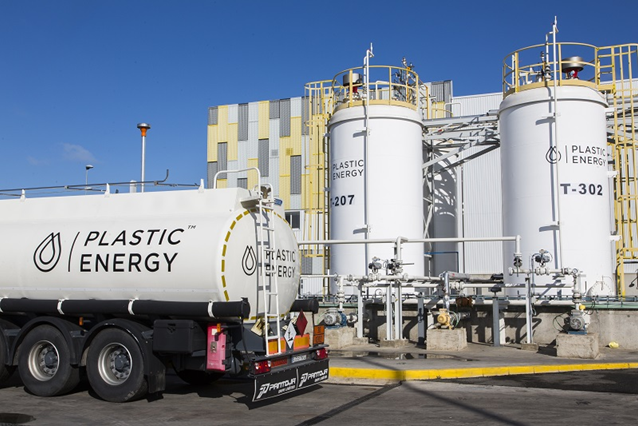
196 378
44 363
5 370
115 367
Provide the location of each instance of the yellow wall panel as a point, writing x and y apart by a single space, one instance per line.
264 120
252 175
295 135
222 122
284 190
285 151
232 142
212 143
222 183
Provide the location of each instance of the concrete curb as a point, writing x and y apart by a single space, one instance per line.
372 374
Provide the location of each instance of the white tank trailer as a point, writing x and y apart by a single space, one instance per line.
127 284
556 185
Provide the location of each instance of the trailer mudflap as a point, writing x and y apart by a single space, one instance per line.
281 382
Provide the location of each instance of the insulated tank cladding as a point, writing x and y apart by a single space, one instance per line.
556 192
394 185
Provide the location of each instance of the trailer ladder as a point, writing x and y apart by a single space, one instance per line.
268 268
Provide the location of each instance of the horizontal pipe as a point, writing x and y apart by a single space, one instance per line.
409 240
231 309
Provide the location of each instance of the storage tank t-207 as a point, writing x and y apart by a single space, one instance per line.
127 285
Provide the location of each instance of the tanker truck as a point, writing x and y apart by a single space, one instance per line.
120 287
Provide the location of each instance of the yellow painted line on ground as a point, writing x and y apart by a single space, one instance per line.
458 373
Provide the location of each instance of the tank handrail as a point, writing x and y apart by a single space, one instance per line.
521 74
381 90
91 186
248 169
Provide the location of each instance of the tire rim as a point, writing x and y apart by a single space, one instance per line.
44 360
114 364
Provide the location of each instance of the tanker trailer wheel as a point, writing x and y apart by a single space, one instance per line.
5 370
197 378
44 363
115 367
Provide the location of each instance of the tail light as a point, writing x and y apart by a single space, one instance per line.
261 367
321 354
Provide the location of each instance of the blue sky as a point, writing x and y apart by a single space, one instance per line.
77 76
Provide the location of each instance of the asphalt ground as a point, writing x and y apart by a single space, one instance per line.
370 385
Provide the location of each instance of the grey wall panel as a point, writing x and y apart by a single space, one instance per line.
222 155
253 141
212 115
441 91
242 154
242 120
284 117
212 170
253 111
306 265
233 111
274 109
295 174
264 157
242 183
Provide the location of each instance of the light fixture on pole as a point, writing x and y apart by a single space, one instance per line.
143 128
86 178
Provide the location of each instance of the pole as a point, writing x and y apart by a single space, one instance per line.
143 128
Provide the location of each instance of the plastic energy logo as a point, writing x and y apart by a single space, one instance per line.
47 255
249 261
553 155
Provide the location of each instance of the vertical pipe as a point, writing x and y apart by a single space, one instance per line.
446 296
360 310
496 326
420 318
528 310
398 321
388 312
366 143
143 161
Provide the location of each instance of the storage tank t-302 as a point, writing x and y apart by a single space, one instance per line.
556 191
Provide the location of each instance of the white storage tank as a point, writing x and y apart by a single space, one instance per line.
390 152
556 192
183 246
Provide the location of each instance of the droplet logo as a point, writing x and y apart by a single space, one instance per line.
553 155
47 255
249 261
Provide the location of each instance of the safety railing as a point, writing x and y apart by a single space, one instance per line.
548 64
385 85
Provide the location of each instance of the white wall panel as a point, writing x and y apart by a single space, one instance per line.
233 113
295 107
475 104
